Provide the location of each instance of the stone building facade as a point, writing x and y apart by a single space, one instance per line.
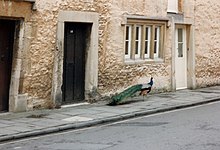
122 42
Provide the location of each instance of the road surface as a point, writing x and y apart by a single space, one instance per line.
196 128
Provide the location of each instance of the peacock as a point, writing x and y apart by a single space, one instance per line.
143 88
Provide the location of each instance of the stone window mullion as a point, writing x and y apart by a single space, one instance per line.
143 41
133 41
152 42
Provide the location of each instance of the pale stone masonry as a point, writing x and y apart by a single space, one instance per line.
37 71
207 44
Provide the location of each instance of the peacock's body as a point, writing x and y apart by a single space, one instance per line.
143 88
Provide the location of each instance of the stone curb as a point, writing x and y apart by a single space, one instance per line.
74 126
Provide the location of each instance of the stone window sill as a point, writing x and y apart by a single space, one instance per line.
141 61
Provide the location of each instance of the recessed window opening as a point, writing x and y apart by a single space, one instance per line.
128 41
144 40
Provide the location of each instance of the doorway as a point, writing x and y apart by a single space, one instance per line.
181 58
76 38
7 30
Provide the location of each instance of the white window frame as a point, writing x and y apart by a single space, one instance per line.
180 42
138 40
147 28
157 41
172 6
128 56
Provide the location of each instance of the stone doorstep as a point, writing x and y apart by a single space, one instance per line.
21 103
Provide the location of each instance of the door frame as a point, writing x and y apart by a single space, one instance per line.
190 44
9 33
16 102
91 65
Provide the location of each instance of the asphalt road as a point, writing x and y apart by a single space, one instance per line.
195 128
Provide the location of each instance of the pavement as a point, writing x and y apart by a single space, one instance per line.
29 124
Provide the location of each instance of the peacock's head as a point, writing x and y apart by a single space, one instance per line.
151 81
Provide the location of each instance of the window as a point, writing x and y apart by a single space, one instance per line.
174 6
156 42
180 42
128 42
138 42
147 42
144 39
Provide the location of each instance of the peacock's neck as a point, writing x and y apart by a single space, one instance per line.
151 82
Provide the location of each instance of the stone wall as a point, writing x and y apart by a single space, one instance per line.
207 44
21 12
38 76
114 74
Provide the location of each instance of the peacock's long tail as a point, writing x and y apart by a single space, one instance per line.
124 94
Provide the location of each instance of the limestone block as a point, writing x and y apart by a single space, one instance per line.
21 103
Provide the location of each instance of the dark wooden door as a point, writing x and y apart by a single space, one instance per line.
7 29
74 62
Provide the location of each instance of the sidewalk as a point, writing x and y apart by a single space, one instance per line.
27 124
